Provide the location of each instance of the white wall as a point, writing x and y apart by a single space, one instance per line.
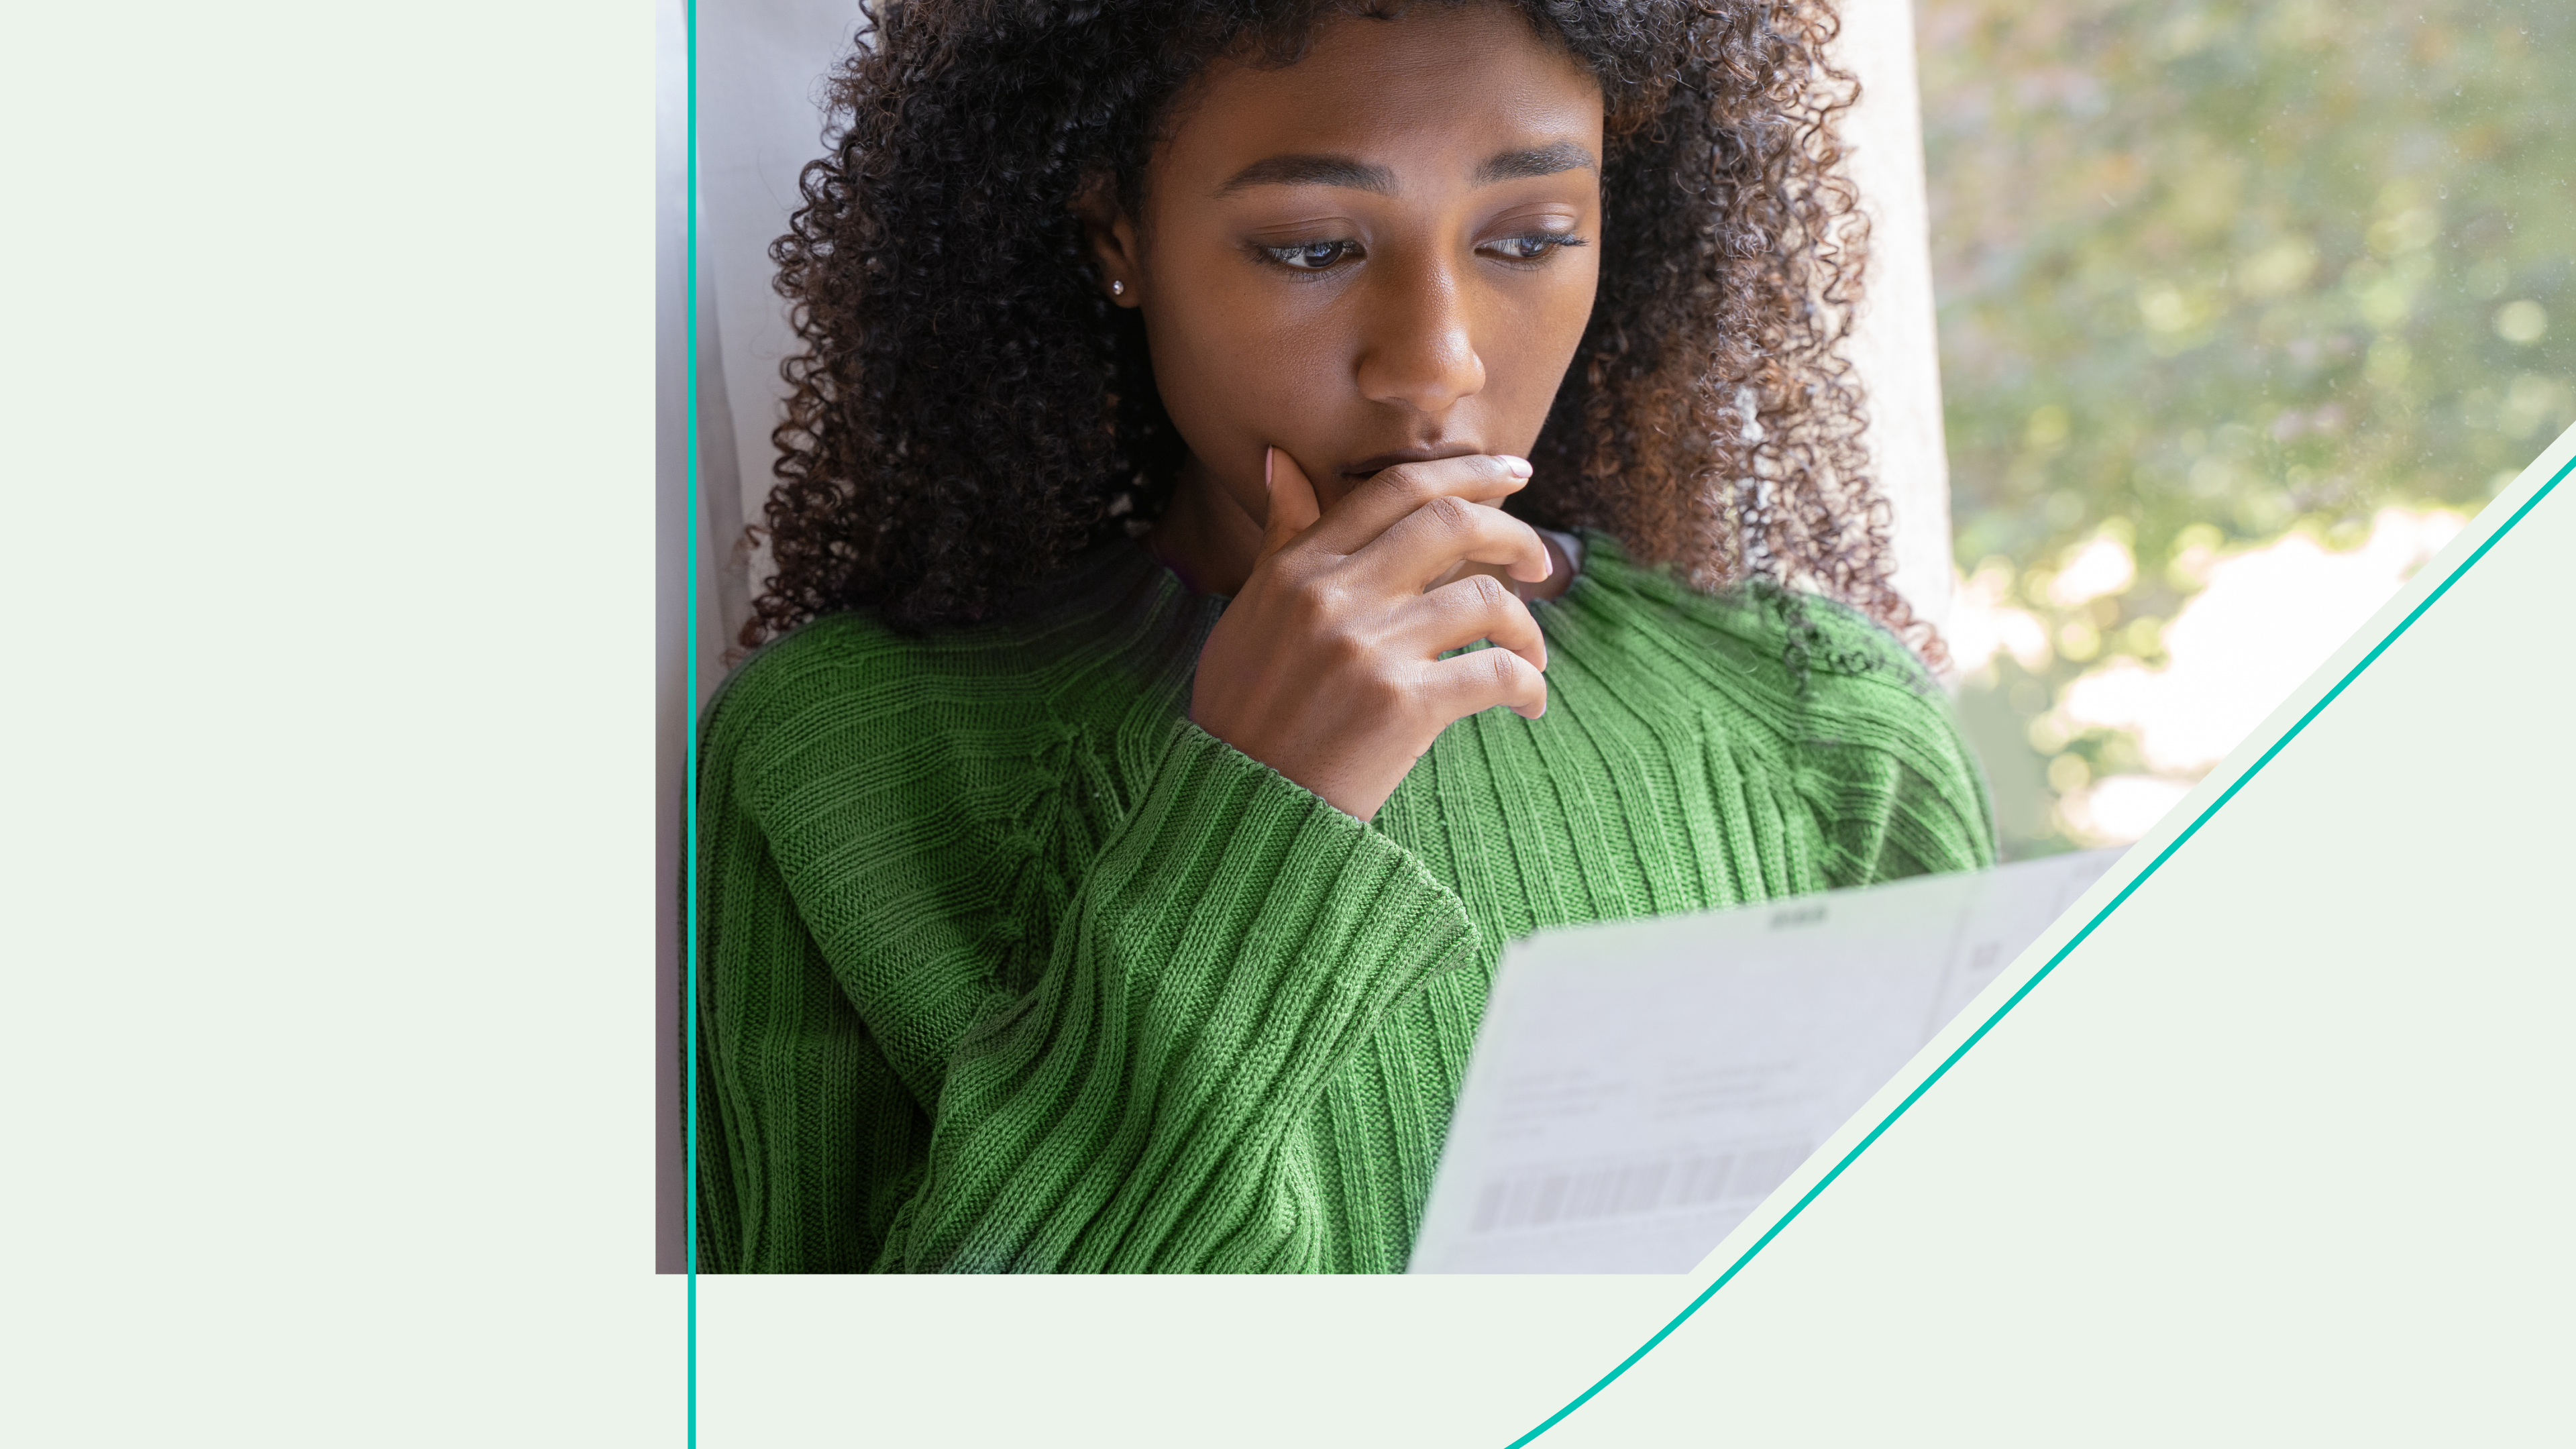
761 65
1894 346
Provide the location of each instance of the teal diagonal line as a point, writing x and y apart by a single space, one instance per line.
2063 952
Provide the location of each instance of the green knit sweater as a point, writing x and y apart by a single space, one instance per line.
1006 965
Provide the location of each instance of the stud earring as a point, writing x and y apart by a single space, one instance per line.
1118 289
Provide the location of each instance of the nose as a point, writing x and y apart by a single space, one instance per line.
1418 349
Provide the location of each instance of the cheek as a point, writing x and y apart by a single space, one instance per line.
1234 366
1530 340
1565 308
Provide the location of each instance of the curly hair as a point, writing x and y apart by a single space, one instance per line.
968 412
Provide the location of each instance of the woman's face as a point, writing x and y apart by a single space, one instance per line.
1382 253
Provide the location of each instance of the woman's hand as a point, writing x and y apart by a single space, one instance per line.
1327 668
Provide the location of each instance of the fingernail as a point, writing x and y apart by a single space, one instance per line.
1269 468
1517 467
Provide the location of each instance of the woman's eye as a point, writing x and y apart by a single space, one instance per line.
1537 246
1310 256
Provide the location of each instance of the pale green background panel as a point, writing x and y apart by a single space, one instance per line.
327 857
327 966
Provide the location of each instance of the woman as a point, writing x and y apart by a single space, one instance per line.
1105 860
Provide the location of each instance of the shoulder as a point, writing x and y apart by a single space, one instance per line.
832 684
850 700
1796 655
1807 694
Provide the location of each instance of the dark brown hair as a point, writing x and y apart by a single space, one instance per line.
968 412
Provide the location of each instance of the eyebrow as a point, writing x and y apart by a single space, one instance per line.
1341 171
1544 161
1357 175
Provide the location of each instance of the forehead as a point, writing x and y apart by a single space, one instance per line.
1437 86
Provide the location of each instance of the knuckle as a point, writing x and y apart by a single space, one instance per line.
1288 570
1313 597
1450 512
1380 692
1346 649
1415 482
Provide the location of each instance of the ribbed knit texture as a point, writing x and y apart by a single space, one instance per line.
1006 965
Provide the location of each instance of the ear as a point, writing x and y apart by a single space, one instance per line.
1112 235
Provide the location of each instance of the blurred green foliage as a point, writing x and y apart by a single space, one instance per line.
2210 272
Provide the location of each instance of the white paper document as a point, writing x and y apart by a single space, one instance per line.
1638 1088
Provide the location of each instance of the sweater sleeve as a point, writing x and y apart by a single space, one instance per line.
1233 943
968 1003
808 1138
